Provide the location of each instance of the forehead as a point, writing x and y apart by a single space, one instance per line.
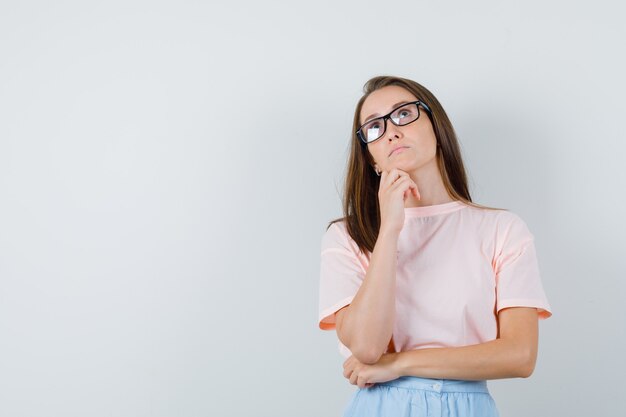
382 101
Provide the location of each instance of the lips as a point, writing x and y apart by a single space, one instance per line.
395 149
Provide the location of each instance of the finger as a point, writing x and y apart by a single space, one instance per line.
392 183
402 183
407 188
353 378
415 191
399 173
395 173
384 179
403 191
392 176
388 179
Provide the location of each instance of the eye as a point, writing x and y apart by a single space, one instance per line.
373 133
373 124
409 111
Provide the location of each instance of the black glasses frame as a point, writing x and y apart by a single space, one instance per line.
386 117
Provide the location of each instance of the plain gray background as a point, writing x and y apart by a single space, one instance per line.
168 168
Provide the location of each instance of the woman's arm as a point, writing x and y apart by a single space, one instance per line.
512 354
366 325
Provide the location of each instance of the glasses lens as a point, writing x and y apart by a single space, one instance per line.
372 130
405 114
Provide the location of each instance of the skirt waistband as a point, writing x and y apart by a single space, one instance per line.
437 385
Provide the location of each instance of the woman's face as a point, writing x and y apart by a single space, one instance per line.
417 139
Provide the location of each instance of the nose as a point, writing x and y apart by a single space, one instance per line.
393 131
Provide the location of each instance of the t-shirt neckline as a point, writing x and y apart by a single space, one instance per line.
434 209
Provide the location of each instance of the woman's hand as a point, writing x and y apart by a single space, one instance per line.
394 188
365 375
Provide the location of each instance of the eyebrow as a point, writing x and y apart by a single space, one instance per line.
392 107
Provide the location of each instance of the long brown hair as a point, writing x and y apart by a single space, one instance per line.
361 209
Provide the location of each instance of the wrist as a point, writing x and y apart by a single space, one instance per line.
388 233
398 364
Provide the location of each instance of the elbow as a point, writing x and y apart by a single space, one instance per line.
526 366
364 352
367 356
526 370
368 359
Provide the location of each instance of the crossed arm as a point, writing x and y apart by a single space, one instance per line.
512 354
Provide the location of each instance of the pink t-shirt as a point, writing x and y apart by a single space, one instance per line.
458 265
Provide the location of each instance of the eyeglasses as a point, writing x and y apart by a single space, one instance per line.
400 116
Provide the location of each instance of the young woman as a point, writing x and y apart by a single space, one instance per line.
430 294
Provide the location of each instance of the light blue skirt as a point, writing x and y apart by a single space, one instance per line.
410 396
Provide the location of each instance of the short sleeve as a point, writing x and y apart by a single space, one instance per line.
341 274
518 280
